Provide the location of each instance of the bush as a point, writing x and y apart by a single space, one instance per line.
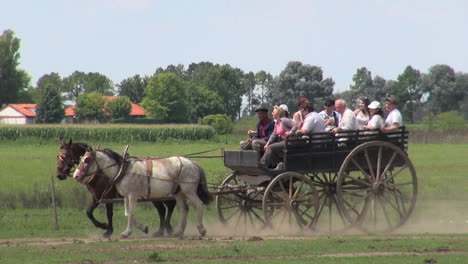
444 122
220 122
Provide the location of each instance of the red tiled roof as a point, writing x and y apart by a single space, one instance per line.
135 111
25 109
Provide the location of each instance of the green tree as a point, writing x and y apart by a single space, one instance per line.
204 102
133 88
440 84
362 83
119 107
90 107
13 81
50 107
300 80
461 80
79 83
408 90
264 82
166 98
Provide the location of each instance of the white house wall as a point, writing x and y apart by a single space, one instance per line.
9 115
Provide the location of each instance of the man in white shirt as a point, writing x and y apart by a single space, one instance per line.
329 114
347 120
394 119
312 122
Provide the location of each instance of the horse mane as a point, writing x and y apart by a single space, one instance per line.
81 145
113 155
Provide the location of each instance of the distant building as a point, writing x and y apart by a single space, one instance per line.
136 112
18 114
21 114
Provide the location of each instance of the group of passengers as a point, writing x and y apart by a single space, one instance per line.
269 138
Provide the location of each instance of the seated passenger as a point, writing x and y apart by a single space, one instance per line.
362 113
275 145
347 120
260 137
313 122
376 121
298 117
394 120
329 114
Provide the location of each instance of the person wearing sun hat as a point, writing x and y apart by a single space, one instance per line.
394 119
376 113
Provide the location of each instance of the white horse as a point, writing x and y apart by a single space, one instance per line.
151 178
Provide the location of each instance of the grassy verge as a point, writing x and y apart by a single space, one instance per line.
342 249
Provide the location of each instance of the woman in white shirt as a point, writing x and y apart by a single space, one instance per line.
362 113
376 113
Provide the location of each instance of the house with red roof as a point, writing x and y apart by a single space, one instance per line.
21 114
136 111
18 114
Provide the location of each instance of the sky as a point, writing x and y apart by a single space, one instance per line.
121 38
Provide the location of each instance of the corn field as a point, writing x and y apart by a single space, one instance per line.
108 133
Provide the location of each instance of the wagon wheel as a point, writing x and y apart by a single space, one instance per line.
290 203
377 187
330 217
238 206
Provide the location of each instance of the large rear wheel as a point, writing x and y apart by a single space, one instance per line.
377 187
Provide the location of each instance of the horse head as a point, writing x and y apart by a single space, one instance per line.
68 157
86 162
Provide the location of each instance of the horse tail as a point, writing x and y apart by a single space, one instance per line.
202 189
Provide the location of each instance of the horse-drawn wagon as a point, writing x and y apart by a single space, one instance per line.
329 182
361 179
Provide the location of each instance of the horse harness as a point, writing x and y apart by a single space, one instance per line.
148 173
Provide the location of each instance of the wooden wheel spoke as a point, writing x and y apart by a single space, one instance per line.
384 210
304 194
282 187
340 213
379 163
358 180
319 180
258 216
395 207
360 168
369 163
398 172
351 207
398 201
389 164
298 190
234 213
290 187
229 207
277 196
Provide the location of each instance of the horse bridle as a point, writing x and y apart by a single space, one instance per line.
92 158
65 162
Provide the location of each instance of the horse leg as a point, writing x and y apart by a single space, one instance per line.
193 198
110 214
183 214
162 216
130 203
170 204
89 212
143 228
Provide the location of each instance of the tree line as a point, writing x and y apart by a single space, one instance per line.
185 94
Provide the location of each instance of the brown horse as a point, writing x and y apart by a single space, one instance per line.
69 156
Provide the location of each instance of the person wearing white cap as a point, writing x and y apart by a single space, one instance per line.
376 121
285 108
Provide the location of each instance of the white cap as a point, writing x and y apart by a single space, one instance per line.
374 105
285 107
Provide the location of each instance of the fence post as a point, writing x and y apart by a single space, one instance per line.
54 204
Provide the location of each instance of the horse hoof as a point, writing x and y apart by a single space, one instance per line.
107 234
178 234
158 234
124 236
145 230
169 230
202 231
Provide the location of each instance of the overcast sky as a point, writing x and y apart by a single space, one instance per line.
121 38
